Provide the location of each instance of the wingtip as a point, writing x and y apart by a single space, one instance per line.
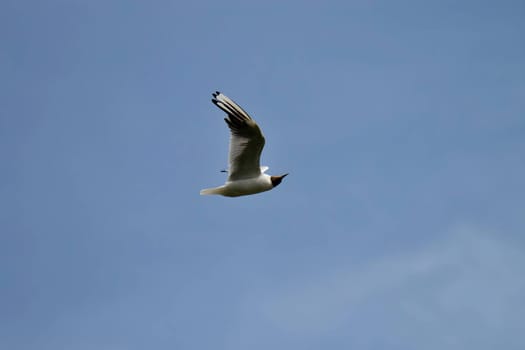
215 95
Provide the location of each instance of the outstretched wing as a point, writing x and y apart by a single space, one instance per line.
246 141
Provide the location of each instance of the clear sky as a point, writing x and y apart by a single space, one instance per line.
400 226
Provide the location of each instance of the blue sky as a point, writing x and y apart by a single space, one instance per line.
401 225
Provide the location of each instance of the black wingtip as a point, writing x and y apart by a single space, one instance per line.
214 99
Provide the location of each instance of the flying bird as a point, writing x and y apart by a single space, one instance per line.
245 175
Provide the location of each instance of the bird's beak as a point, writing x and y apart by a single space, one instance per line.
283 176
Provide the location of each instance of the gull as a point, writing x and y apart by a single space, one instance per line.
245 175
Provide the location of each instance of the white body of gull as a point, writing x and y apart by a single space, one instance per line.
245 175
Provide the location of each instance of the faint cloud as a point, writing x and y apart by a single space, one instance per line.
461 291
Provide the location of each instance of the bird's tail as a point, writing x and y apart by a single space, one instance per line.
209 191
